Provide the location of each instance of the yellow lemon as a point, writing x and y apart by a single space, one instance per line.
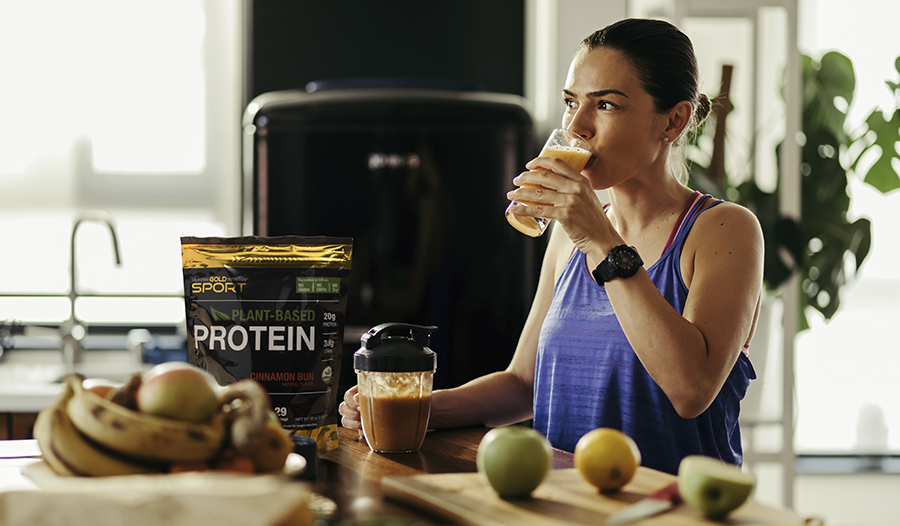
607 458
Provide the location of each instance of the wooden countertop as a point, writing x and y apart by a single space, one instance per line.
352 476
439 485
444 451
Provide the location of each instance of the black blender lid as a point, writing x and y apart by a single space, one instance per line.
395 347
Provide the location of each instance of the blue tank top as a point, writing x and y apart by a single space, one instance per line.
588 376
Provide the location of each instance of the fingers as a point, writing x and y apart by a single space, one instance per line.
552 174
539 189
350 422
543 165
352 395
349 409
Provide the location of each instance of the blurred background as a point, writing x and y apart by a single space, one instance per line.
136 108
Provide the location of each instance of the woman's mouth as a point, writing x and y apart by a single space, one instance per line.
590 162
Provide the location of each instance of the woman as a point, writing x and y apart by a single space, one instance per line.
645 308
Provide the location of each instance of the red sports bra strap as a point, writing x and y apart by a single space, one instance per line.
680 221
695 202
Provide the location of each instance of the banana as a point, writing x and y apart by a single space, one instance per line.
43 432
247 413
273 448
139 435
69 453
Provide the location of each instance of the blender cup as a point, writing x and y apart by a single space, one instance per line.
395 371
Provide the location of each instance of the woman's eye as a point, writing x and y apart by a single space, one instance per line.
569 103
606 105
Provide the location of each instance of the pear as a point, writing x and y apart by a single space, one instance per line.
713 487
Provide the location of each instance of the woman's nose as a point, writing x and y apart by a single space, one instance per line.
584 135
580 125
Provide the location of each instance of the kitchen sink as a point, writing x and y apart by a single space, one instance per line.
47 365
30 379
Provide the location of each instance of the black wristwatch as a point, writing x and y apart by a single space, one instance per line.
621 262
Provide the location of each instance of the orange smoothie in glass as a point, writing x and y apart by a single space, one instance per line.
575 157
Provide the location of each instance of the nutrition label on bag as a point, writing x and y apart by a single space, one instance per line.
319 285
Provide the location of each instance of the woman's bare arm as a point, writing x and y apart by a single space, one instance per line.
691 355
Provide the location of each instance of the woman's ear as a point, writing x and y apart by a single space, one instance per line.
679 118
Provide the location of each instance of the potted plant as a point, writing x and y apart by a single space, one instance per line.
816 246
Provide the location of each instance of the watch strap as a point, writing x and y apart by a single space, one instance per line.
604 271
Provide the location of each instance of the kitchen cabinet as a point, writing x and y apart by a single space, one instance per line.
16 425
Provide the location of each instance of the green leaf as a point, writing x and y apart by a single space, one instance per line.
861 242
833 77
824 186
882 174
218 315
836 74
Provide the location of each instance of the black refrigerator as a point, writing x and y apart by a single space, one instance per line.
417 175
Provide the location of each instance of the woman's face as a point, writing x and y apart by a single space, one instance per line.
607 105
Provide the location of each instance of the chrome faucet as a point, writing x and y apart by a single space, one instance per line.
72 331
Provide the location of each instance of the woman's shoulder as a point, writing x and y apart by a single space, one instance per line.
736 215
724 238
726 222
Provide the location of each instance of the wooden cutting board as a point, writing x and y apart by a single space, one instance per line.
564 498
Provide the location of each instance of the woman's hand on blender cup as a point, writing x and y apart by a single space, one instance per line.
349 410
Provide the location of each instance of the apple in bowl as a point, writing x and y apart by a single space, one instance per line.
179 391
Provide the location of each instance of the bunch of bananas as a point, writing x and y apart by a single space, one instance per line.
86 434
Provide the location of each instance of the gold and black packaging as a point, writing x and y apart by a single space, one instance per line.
272 309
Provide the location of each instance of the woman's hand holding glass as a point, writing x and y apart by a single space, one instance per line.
569 150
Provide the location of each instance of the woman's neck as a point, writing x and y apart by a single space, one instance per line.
639 209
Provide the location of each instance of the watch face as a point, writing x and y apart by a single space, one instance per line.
622 261
625 260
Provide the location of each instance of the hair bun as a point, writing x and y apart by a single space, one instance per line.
704 105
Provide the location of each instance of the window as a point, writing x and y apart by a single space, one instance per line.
133 108
123 81
846 392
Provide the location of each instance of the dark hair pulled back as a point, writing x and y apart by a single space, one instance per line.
663 57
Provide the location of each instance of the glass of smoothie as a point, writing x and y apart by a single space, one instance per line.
575 152
395 373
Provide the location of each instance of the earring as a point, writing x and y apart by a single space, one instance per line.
666 139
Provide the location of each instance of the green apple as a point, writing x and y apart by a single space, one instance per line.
514 460
713 487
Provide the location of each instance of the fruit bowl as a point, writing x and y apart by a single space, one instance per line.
142 435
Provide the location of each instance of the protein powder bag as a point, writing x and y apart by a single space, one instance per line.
272 309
